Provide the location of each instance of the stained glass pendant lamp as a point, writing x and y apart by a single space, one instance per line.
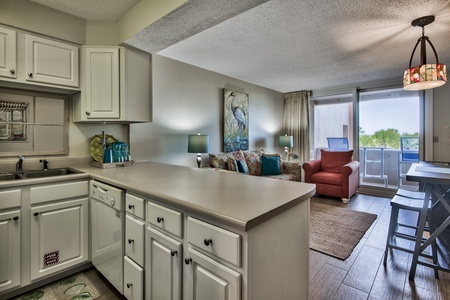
426 75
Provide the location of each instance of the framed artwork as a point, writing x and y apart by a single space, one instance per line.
13 126
235 121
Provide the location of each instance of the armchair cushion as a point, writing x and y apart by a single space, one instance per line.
333 161
327 178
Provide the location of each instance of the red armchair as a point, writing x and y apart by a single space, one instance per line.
335 174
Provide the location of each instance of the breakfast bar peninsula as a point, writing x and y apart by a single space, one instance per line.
216 235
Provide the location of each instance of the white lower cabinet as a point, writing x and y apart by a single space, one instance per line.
203 271
133 280
59 236
164 266
44 231
10 249
208 279
134 239
134 260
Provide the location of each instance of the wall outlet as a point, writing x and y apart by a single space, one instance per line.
435 139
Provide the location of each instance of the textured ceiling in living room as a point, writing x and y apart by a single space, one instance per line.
290 45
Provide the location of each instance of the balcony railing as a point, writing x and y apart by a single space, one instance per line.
384 167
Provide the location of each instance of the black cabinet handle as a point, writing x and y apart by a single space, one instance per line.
173 252
36 214
159 219
16 218
207 242
130 241
129 285
130 206
187 260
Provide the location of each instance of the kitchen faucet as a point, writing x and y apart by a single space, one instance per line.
19 163
45 162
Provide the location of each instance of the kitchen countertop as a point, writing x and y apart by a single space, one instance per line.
240 201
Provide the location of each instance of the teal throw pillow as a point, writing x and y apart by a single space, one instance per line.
242 166
270 165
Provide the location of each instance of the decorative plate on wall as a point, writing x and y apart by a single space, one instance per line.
96 147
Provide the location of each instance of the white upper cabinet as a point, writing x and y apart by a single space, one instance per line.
115 86
100 82
51 62
8 61
32 62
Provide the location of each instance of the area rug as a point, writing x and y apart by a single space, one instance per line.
336 231
73 287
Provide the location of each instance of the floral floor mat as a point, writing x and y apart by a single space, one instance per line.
74 287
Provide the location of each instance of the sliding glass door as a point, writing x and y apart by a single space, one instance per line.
389 122
382 127
332 117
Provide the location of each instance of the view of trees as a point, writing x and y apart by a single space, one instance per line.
384 138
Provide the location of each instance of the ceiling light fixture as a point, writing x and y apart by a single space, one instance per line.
425 76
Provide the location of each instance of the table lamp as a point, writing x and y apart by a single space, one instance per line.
286 141
198 144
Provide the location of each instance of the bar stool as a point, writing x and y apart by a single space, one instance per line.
409 201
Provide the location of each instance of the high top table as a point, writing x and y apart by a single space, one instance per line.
436 181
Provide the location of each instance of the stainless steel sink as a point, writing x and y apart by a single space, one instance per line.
8 176
37 174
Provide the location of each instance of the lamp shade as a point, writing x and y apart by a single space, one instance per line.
426 75
198 143
285 141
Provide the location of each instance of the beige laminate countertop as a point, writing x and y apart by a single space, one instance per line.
238 200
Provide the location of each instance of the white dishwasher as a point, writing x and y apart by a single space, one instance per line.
107 221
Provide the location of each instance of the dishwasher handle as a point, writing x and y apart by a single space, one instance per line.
103 190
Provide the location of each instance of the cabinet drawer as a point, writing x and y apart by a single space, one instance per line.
165 218
135 205
58 191
11 198
134 239
133 280
215 240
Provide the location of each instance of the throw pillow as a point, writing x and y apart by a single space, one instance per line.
242 166
253 160
270 165
232 165
333 161
219 160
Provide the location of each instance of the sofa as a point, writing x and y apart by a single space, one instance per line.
256 163
335 174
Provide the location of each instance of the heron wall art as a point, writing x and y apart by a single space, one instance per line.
235 121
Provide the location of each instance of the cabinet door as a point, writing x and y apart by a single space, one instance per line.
9 250
164 267
8 61
207 279
134 239
133 280
101 82
59 236
52 62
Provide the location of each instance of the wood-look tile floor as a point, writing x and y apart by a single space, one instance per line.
362 275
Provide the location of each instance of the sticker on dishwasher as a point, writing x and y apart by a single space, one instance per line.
51 258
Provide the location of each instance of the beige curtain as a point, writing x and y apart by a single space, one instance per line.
296 122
